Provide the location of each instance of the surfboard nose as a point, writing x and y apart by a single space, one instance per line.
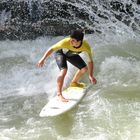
42 113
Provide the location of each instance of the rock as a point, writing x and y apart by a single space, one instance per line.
138 1
29 19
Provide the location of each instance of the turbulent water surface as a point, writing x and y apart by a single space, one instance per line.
109 111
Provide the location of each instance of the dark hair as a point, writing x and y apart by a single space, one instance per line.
78 35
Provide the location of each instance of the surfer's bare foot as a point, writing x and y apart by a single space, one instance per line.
61 98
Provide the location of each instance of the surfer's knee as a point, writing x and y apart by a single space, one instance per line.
84 70
63 72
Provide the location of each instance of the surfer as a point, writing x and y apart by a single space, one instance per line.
69 49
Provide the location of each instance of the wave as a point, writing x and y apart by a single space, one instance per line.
29 19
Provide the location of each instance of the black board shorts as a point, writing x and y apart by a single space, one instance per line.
75 59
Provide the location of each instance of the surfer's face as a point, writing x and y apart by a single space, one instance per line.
75 43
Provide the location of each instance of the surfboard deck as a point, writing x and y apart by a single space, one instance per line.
55 107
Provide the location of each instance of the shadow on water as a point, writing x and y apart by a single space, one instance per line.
63 124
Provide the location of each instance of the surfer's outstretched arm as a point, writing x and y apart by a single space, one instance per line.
41 61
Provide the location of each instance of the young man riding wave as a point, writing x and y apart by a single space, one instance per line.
69 49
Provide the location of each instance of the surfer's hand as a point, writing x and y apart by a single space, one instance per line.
40 63
92 80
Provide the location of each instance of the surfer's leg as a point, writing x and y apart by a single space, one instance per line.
60 81
79 74
62 64
78 62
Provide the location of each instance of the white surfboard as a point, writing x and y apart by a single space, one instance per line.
55 107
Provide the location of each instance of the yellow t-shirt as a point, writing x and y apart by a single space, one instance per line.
65 44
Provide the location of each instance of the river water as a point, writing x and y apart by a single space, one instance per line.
109 111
